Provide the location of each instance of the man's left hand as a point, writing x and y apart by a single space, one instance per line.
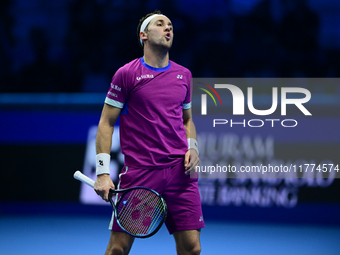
191 161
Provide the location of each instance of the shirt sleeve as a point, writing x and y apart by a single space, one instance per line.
117 95
187 100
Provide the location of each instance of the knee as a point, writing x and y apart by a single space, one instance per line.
115 250
120 244
196 250
193 248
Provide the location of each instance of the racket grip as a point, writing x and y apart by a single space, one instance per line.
83 178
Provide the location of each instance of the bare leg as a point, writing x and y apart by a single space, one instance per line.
120 243
188 242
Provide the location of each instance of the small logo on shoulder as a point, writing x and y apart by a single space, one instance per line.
179 76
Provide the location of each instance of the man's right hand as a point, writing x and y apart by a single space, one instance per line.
103 185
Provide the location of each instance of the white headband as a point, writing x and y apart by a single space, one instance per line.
146 23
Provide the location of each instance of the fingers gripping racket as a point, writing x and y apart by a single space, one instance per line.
139 211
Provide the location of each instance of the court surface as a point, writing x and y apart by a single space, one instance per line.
41 235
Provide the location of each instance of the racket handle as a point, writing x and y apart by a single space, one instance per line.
83 178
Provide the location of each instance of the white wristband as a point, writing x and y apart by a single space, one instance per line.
103 163
192 144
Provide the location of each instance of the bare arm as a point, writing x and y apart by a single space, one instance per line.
103 145
191 159
106 124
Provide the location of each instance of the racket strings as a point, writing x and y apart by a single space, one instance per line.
141 216
135 214
140 211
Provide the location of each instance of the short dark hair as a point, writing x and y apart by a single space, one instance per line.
141 21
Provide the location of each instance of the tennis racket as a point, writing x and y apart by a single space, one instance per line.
139 211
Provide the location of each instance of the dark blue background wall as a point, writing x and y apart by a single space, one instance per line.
57 59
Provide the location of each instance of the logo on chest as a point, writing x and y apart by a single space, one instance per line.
145 76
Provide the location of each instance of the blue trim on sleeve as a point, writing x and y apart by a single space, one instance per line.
154 68
114 103
187 106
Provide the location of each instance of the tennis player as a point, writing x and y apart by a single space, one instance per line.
152 95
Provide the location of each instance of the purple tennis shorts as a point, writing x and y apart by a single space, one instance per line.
180 192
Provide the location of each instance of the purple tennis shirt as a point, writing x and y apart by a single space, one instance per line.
152 134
